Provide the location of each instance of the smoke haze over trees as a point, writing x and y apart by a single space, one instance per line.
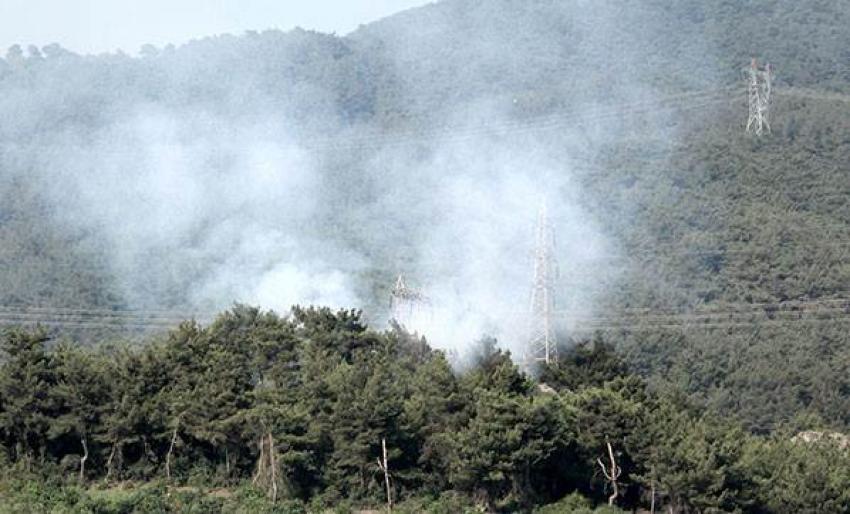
281 168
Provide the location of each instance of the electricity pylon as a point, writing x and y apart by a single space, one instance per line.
542 345
405 303
758 86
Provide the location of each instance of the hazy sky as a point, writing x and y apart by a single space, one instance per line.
93 26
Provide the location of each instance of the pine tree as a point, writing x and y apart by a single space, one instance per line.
80 397
27 377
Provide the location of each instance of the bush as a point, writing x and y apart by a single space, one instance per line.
449 502
249 500
576 504
572 503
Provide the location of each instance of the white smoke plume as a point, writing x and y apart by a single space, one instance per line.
202 188
474 262
231 206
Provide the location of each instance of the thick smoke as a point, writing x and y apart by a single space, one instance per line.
199 202
474 262
230 207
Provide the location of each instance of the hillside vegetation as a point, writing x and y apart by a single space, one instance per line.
707 219
258 413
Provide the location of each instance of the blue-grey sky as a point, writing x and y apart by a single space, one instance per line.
94 26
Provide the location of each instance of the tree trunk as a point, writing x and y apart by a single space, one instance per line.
385 468
273 465
109 463
652 499
261 461
611 475
83 459
652 492
266 474
615 474
171 450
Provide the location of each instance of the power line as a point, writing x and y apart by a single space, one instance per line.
378 140
12 310
708 325
560 121
732 314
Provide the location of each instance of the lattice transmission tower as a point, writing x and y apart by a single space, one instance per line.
758 92
542 344
407 305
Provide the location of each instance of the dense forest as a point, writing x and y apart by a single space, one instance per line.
259 413
713 296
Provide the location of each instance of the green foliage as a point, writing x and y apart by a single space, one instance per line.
293 412
248 500
703 215
27 376
575 504
28 497
571 503
449 502
706 218
505 442
793 478
585 364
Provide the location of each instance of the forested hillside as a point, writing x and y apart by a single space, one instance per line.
258 413
714 261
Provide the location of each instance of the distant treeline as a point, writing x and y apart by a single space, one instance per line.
297 409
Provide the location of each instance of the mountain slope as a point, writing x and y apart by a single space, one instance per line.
636 110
